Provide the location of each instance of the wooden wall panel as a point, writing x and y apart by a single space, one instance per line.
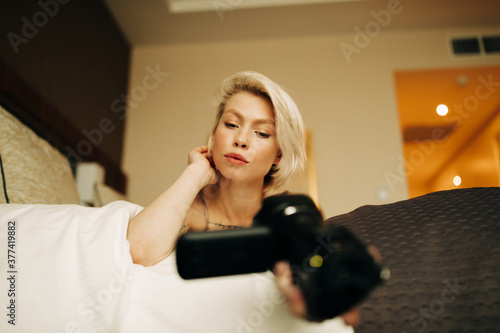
65 62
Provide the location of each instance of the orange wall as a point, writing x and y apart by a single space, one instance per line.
477 164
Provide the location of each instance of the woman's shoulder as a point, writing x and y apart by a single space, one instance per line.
279 194
195 219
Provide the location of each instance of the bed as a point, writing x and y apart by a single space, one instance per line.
443 251
67 266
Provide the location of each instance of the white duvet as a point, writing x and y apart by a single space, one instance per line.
68 268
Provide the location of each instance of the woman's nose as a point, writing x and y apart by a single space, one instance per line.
240 144
241 141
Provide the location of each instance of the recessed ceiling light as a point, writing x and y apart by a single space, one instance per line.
184 6
462 80
442 110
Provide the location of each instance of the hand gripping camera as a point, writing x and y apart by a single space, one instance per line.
330 265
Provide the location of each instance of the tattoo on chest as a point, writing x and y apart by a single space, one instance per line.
220 226
184 227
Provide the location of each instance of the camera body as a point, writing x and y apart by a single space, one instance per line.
330 265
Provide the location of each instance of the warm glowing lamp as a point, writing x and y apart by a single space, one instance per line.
442 110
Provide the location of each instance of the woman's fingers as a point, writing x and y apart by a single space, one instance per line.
197 153
295 298
352 317
375 253
290 291
199 156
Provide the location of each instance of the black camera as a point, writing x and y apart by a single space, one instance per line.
330 265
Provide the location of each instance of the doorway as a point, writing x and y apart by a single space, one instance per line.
455 145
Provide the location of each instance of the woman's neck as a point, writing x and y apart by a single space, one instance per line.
237 203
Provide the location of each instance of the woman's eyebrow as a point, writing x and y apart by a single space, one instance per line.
255 121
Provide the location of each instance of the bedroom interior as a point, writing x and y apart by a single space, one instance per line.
351 110
84 89
74 98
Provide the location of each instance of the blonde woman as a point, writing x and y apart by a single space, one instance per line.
255 149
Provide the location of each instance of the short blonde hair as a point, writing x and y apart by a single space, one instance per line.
290 132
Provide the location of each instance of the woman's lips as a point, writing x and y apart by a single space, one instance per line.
235 159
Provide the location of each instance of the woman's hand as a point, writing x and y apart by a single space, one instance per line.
295 298
199 157
153 232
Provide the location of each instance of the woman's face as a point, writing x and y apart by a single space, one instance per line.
245 146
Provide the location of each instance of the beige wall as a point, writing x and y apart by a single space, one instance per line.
350 108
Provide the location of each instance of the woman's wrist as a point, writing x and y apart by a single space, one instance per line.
198 175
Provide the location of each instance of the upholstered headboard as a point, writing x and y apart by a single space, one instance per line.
50 123
33 171
39 125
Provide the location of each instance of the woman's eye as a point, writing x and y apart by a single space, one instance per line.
230 125
263 135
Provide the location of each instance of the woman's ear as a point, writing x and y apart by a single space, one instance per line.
210 144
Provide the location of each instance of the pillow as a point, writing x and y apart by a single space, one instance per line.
104 195
35 172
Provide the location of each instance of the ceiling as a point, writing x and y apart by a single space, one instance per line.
149 22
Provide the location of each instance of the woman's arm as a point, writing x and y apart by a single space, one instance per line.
152 234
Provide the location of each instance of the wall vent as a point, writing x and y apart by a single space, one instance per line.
491 44
475 45
465 46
